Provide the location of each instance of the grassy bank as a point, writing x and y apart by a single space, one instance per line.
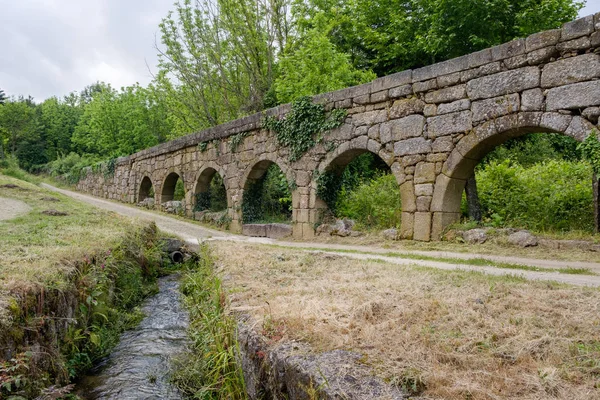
211 369
70 278
441 334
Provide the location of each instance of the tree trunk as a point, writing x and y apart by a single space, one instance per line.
596 186
473 199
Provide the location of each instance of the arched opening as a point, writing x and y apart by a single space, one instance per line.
358 186
210 193
528 176
172 197
146 193
267 196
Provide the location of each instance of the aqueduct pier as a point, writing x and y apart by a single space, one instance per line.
430 125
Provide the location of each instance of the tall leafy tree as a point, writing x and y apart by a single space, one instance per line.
2 97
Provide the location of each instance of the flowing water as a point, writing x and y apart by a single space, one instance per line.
138 367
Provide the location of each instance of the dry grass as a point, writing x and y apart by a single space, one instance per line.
497 245
38 249
465 335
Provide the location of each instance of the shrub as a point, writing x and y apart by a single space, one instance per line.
374 203
69 168
551 196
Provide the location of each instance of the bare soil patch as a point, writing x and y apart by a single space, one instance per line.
453 334
55 213
11 208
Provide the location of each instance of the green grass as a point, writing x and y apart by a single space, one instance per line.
211 370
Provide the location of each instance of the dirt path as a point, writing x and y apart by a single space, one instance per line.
11 208
192 233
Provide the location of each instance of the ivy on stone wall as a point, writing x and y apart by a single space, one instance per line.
202 146
304 126
236 140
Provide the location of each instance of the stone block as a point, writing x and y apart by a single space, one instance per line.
407 196
507 50
373 132
442 220
405 107
574 96
446 95
278 231
578 44
516 61
373 146
459 105
401 91
423 203
422 226
359 142
424 86
579 27
503 83
407 127
379 96
430 110
407 161
542 39
362 100
571 70
392 81
555 122
448 80
448 124
479 58
369 117
254 230
417 145
595 39
424 189
532 100
425 173
443 144
579 128
492 108
437 157
407 225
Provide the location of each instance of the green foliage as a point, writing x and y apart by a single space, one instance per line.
268 199
203 146
211 370
179 193
550 196
10 166
374 203
70 168
236 140
215 199
387 36
590 149
304 126
314 65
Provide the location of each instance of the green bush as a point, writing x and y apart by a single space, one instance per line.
374 203
215 199
550 196
9 166
268 199
69 168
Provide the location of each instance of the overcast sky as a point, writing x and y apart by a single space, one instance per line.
53 47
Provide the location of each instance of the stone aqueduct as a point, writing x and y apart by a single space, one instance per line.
430 125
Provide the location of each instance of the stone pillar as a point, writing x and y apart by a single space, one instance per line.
409 207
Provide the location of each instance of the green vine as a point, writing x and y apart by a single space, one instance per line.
304 126
329 184
202 146
236 140
590 149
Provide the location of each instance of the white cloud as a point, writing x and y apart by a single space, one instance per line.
53 47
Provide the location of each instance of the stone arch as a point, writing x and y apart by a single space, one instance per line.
204 177
144 189
450 183
339 159
167 189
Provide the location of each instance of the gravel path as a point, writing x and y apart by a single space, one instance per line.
192 233
11 208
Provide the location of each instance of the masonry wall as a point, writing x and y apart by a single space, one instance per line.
430 125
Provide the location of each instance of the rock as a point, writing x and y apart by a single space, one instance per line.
475 236
254 230
446 95
148 202
342 227
278 231
173 207
417 145
523 239
459 105
576 95
496 107
55 213
170 245
571 70
324 229
390 234
503 83
447 124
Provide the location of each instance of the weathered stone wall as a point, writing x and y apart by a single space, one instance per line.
430 125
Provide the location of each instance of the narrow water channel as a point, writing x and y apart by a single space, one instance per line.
138 367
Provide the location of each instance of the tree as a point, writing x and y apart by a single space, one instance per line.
313 65
218 61
2 97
